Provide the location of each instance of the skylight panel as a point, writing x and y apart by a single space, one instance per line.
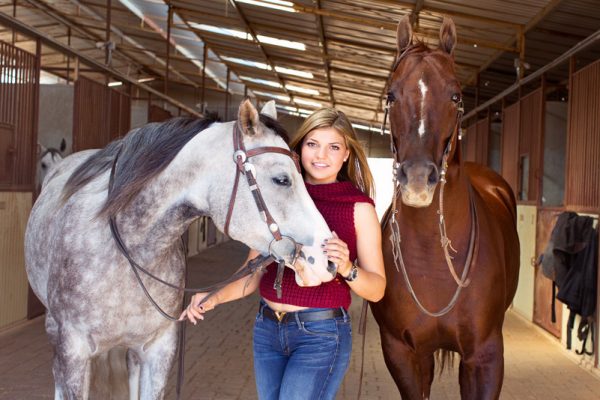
304 90
246 36
274 4
261 81
272 95
308 103
264 66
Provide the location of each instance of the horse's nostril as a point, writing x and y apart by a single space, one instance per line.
432 179
402 176
331 268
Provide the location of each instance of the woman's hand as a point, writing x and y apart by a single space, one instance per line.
195 310
337 252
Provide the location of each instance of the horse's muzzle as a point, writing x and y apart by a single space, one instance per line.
417 181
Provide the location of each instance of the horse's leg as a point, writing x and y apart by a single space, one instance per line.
156 359
74 370
482 370
133 369
427 373
403 364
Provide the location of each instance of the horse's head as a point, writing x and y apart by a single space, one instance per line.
47 158
426 106
287 201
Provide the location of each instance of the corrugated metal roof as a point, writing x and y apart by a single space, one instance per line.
349 46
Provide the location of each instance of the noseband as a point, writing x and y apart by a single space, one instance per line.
446 243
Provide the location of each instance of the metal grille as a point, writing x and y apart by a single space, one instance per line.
19 90
510 145
100 115
583 140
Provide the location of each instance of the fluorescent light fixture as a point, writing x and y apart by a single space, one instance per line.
274 4
308 103
300 89
288 108
272 95
369 128
246 36
150 79
111 84
261 81
264 66
288 71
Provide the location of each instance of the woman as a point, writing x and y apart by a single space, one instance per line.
302 341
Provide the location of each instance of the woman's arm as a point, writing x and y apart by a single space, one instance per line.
370 281
233 291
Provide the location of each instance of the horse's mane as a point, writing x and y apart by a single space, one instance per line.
142 154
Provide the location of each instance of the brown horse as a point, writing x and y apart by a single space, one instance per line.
438 298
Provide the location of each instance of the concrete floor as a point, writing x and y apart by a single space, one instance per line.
219 355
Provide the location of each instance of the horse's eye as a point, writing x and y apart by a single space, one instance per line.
283 180
456 97
44 166
390 97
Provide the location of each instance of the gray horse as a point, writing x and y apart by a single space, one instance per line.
167 175
47 158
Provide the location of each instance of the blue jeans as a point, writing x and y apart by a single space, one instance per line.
301 360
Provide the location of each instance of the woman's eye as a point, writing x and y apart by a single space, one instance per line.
335 147
282 181
311 144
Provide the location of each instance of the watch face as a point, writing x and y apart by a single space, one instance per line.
352 275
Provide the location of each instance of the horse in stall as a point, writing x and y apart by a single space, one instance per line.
149 186
439 300
47 158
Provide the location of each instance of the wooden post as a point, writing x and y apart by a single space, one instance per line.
227 95
169 21
204 59
107 50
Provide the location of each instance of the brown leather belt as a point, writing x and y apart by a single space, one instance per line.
302 316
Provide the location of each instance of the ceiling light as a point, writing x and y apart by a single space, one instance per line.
272 95
146 80
274 4
304 90
281 70
246 36
261 81
308 103
111 84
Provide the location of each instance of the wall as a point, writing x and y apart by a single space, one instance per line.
555 137
14 211
56 116
526 227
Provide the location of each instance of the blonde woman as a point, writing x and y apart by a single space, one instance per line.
302 341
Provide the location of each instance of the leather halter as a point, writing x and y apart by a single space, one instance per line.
241 157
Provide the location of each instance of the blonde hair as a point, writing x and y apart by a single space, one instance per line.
355 169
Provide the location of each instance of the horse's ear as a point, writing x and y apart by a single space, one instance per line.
40 149
404 34
248 118
448 36
269 109
63 145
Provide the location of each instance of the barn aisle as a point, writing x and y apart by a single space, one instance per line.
219 355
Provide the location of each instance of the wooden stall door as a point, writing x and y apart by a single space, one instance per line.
542 305
510 145
158 114
100 114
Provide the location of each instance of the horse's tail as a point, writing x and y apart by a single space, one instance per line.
444 358
110 379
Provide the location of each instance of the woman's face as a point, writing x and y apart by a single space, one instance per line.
323 154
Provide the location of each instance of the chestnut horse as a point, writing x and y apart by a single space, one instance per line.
438 298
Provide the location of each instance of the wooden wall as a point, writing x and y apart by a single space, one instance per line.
14 212
510 145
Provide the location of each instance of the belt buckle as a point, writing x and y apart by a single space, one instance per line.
279 315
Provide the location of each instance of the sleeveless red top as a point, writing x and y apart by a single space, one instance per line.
335 201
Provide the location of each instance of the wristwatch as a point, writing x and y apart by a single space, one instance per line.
353 273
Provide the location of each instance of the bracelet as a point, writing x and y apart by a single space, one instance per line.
353 272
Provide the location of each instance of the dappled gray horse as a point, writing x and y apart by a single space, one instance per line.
166 175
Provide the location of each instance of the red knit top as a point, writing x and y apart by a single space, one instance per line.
335 201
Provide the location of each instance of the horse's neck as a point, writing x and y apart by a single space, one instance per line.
157 217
